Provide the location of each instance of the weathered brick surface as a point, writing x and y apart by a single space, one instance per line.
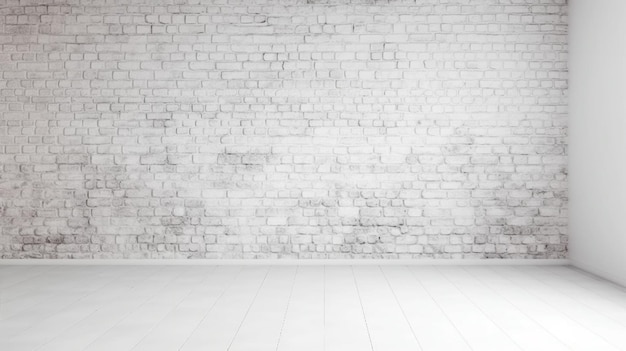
303 129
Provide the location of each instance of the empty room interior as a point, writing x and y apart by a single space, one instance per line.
312 175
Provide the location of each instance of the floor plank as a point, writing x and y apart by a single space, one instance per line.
387 324
14 275
568 331
219 326
606 327
303 328
260 330
433 328
129 331
177 326
41 330
35 293
106 316
524 331
609 298
59 292
345 327
477 329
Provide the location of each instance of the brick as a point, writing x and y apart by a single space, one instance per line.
155 159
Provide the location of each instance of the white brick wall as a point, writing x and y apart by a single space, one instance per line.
267 128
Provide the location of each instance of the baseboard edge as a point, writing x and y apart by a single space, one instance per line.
298 262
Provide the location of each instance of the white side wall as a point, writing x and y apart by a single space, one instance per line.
597 166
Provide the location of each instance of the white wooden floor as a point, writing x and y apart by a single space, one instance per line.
342 308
